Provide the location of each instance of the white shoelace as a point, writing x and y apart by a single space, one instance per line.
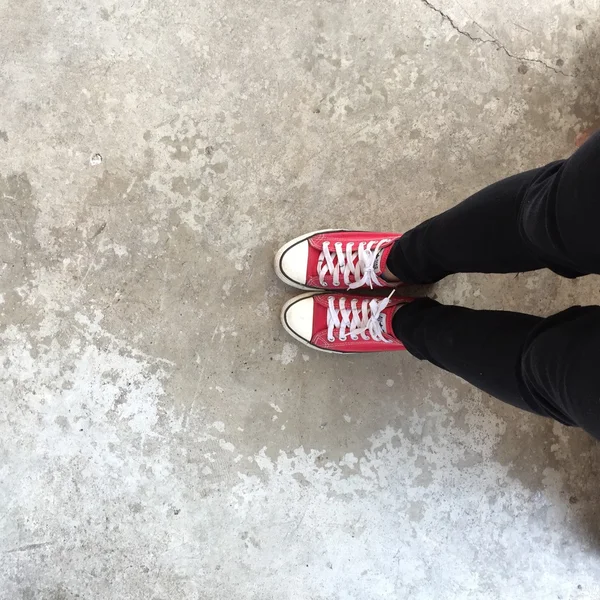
355 321
359 262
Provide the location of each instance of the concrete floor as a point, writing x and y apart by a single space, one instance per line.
161 437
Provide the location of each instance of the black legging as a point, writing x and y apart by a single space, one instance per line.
548 217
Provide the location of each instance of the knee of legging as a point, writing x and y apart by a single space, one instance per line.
559 365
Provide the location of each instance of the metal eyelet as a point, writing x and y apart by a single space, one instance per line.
354 337
331 339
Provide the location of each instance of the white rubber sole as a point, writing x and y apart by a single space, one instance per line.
300 339
284 277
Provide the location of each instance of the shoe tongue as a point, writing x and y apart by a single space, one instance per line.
383 321
386 319
377 262
381 259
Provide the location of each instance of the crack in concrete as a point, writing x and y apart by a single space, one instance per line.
499 45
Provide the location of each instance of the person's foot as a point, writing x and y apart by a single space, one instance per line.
337 258
343 323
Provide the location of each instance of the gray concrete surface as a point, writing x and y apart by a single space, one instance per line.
161 438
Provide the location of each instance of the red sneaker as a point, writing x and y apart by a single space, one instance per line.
343 323
333 258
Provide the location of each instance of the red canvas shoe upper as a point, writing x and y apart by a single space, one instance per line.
346 259
347 322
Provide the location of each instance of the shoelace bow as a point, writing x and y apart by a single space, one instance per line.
360 263
355 321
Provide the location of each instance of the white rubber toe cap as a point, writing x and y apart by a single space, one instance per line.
294 262
298 318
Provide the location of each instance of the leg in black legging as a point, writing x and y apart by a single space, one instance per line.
481 346
547 366
479 235
547 217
